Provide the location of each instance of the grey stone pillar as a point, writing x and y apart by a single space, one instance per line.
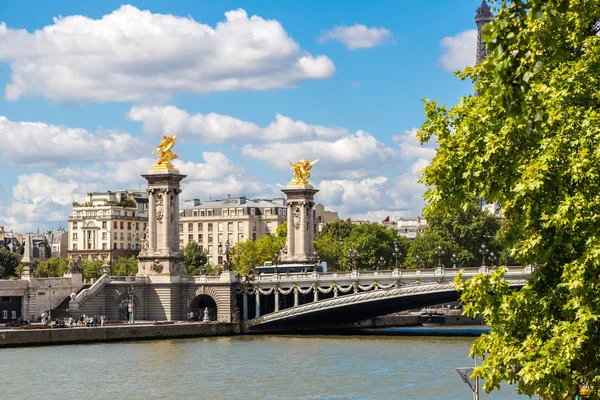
300 233
276 299
316 293
296 299
257 294
151 219
245 306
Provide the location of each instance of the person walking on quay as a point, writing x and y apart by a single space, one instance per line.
95 321
70 322
191 317
102 318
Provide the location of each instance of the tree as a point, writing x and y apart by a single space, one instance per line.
338 230
92 268
194 259
254 253
124 266
331 251
529 140
374 241
52 267
9 262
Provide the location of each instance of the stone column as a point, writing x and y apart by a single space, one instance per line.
165 221
290 232
257 294
276 299
300 234
245 306
151 221
316 293
296 298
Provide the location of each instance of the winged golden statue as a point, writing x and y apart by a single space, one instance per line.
301 172
165 155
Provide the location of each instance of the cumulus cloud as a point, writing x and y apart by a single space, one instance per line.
37 143
459 51
134 55
217 128
354 156
357 36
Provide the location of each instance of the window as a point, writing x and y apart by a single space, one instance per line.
145 225
74 235
128 236
240 237
240 211
202 213
200 238
210 238
104 246
220 238
210 227
267 212
74 225
200 227
230 226
268 227
209 213
190 238
254 236
103 224
190 227
89 235
225 213
253 226
195 213
74 246
115 236
230 237
104 235
201 248
252 211
129 225
240 226
13 314
121 224
210 250
220 260
180 228
122 236
115 224
121 246
4 314
220 227
114 246
137 225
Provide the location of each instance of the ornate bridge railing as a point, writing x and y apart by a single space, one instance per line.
272 297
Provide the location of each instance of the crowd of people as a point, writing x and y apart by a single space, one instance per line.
83 320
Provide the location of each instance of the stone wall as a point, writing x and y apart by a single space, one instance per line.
42 337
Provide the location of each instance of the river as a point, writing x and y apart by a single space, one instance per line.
269 367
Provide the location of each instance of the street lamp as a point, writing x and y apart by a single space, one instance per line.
224 250
50 305
381 263
396 254
341 253
440 252
483 252
454 258
418 261
353 257
277 257
492 258
130 308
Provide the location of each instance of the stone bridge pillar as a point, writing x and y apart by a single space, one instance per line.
300 230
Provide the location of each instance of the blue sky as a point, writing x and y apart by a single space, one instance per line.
87 88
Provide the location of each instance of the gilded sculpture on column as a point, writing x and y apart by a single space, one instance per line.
301 172
165 155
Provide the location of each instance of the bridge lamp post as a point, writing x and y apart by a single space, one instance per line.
492 258
396 254
440 253
225 250
418 261
341 253
483 251
454 258
381 263
50 305
353 257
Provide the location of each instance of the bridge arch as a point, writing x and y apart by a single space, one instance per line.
117 302
203 297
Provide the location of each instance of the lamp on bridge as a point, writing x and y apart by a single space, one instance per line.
440 253
353 258
396 254
483 251
492 258
454 258
224 250
381 263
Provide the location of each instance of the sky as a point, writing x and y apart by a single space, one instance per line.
88 88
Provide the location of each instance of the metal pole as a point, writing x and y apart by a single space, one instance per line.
50 305
476 383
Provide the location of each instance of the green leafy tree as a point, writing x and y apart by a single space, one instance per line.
52 267
9 262
331 251
254 253
529 140
373 241
124 266
195 260
92 268
423 251
338 230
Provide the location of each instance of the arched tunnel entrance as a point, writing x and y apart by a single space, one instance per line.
201 304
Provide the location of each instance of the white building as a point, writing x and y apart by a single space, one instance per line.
108 225
409 227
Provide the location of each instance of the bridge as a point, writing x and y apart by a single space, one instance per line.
320 300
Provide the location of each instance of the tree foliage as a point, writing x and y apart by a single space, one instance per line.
52 267
8 263
194 259
254 253
529 139
124 266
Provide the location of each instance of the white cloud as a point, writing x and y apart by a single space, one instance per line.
36 143
459 51
134 55
217 128
352 156
357 36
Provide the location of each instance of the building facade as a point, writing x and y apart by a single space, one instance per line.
323 217
233 220
410 227
109 225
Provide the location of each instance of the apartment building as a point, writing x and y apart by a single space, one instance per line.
108 225
232 220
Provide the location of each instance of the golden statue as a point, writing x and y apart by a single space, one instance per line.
301 172
165 155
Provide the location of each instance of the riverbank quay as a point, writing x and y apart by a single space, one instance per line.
117 333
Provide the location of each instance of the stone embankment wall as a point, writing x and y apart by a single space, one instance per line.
396 321
45 337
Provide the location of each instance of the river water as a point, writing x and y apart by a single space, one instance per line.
252 367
